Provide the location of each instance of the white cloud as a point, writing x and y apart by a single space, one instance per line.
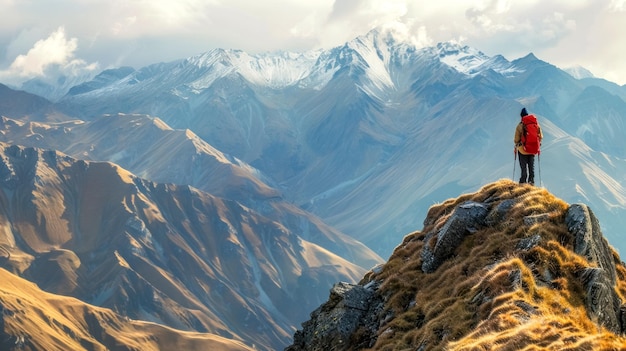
555 26
492 16
56 49
618 5
51 56
409 32
141 32
347 19
123 26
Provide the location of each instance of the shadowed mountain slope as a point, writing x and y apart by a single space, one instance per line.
149 148
20 104
169 254
510 267
31 319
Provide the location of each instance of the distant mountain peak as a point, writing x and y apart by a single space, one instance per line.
579 72
462 58
275 70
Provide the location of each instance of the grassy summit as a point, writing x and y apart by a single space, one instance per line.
513 284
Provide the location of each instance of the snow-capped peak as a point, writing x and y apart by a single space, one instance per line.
462 58
467 60
277 69
579 72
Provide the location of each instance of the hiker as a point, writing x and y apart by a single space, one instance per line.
527 144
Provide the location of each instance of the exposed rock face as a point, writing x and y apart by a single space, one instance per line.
464 220
602 301
526 260
347 309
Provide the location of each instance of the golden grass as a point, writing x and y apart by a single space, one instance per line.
490 295
45 321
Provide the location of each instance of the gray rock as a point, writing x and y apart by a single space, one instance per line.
528 243
500 211
337 320
534 219
602 301
589 241
464 220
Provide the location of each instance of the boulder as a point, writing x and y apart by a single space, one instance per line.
602 302
464 220
337 320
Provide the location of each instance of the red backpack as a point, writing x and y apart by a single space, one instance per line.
530 136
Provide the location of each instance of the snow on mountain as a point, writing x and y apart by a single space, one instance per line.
55 89
579 72
103 79
462 58
367 135
354 132
272 70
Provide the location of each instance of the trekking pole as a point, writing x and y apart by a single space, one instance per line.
514 162
539 164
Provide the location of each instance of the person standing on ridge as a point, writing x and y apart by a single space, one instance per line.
527 144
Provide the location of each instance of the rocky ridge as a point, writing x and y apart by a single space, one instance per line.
508 267
168 254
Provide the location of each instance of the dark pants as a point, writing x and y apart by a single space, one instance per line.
527 164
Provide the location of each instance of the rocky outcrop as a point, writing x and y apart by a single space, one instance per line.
359 316
465 220
349 308
602 301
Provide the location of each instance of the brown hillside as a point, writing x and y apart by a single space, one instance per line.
510 267
31 319
163 253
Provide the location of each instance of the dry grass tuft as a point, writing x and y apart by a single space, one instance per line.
491 295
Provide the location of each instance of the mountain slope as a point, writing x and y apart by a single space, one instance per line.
157 252
368 133
27 106
508 267
148 147
31 319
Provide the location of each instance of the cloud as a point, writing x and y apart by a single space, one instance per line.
56 49
146 17
51 56
142 32
531 25
492 16
618 5
408 32
344 20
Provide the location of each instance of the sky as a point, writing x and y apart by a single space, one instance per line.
43 39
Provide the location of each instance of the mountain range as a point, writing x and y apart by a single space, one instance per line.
168 254
370 133
328 156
